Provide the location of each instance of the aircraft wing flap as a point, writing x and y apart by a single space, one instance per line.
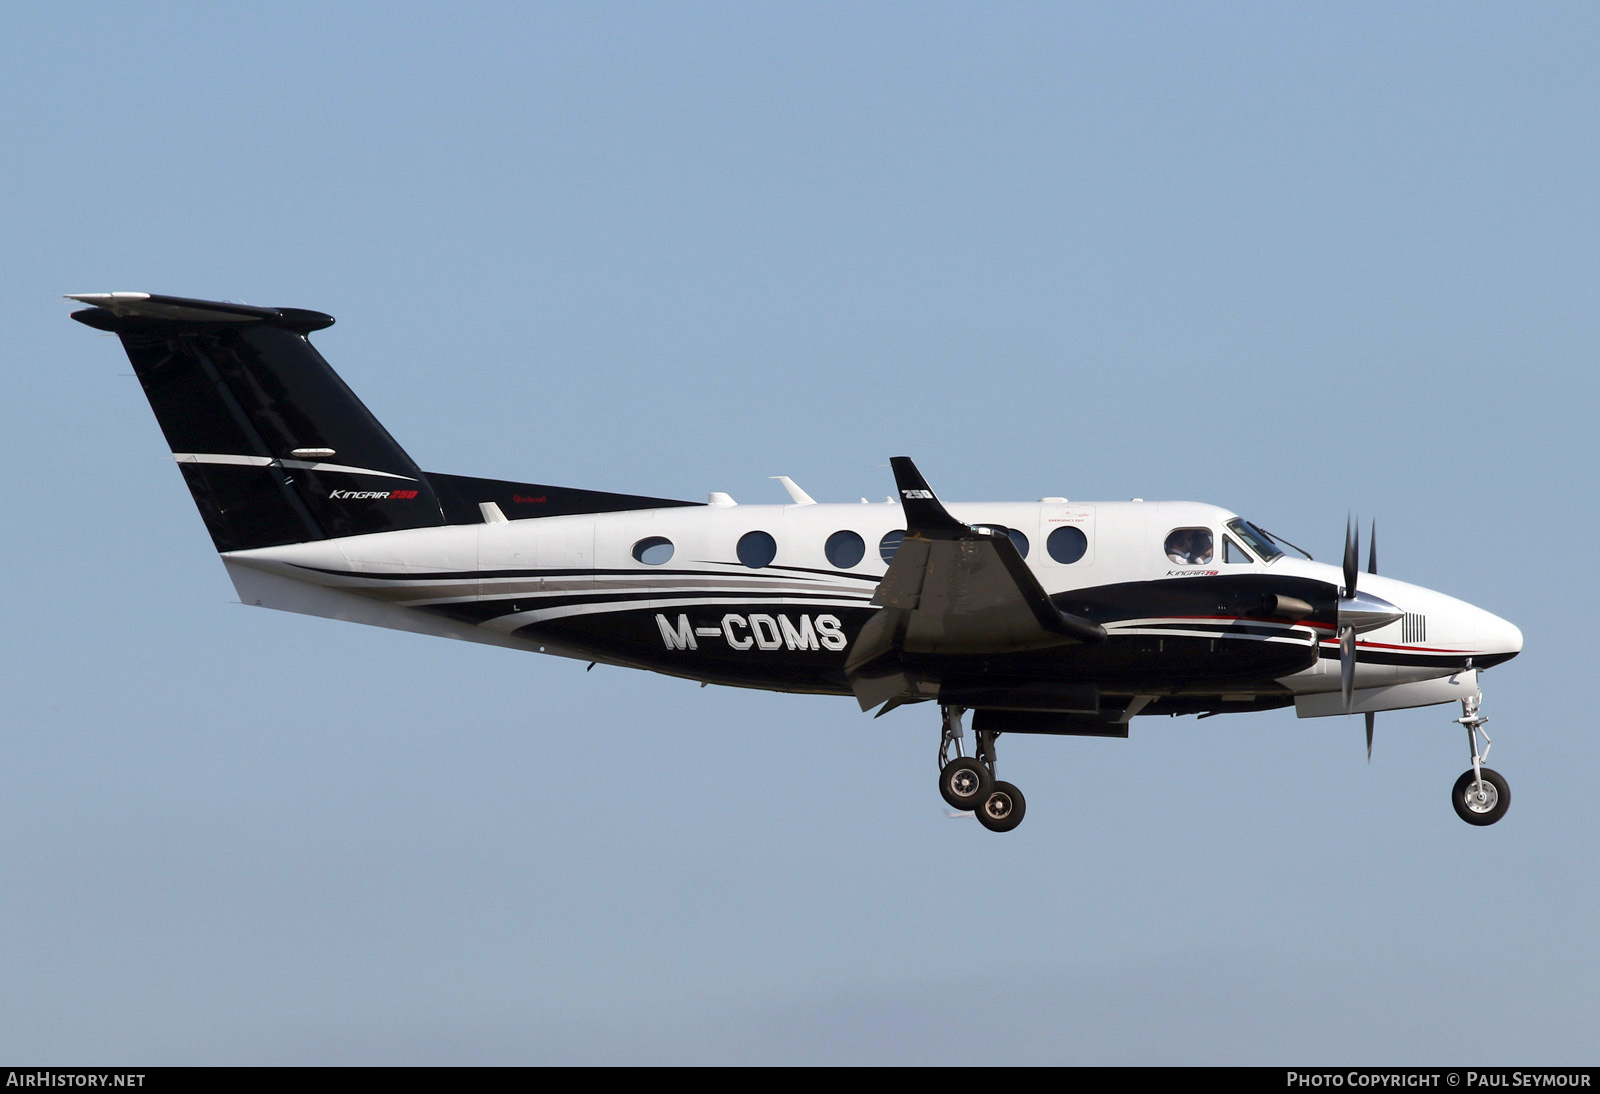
901 587
952 590
978 596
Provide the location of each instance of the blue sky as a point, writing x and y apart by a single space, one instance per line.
1295 260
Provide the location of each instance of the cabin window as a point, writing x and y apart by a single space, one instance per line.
845 549
757 549
1067 544
1018 540
653 550
889 544
1189 546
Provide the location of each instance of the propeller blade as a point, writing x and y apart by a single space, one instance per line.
1352 555
1372 548
1347 666
1372 720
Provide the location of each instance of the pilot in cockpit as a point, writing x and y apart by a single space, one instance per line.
1189 546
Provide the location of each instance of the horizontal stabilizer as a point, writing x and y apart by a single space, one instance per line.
120 310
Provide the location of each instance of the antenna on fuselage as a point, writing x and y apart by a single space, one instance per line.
799 496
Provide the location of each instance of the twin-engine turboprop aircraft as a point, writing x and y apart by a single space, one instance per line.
1047 617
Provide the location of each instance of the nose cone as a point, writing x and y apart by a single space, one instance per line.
1498 639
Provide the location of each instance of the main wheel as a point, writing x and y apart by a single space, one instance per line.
1003 809
965 783
1481 803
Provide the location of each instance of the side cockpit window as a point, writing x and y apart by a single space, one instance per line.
1233 554
1257 540
1189 546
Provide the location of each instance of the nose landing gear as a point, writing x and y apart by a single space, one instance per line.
1481 796
967 783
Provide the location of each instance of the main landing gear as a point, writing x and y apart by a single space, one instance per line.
968 782
1480 796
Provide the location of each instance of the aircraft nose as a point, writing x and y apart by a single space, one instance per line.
1497 638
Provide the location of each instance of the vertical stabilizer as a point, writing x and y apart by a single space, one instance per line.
274 446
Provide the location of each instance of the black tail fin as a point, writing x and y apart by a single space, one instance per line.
274 447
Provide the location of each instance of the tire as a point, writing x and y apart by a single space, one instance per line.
965 783
1496 798
1003 808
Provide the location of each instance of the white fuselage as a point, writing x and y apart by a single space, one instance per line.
564 568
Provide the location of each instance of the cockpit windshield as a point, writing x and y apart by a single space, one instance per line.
1257 540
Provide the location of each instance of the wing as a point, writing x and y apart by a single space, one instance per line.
951 591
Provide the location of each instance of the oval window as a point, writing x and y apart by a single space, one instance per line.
757 549
653 550
1067 544
889 544
845 549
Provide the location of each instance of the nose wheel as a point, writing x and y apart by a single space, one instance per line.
967 783
1481 796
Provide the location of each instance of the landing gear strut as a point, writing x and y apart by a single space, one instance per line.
967 783
1480 795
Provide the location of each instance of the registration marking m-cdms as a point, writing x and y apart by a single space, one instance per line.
758 631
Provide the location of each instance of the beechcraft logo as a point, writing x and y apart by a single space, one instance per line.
372 495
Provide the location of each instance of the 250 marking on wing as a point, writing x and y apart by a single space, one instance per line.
756 631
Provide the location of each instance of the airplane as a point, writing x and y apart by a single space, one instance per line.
1048 617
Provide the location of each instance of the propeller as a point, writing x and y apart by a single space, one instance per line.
1349 569
1347 630
1352 555
1372 568
1358 611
